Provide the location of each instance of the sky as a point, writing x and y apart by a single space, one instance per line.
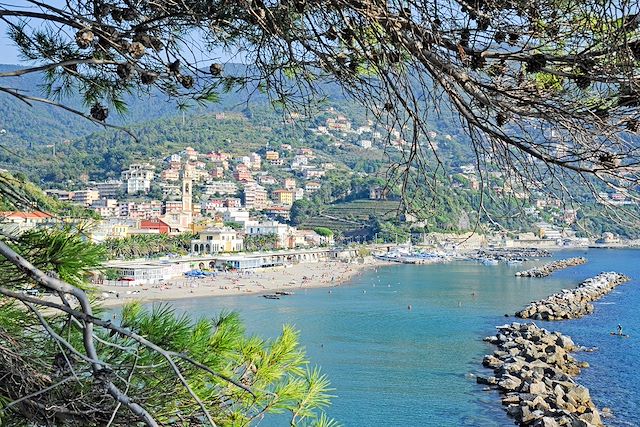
9 53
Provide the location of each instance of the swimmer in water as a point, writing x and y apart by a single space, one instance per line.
409 307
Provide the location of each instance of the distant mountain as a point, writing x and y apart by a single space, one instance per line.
40 124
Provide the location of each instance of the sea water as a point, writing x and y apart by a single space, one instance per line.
395 366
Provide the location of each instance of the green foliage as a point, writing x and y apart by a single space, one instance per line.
18 193
275 370
214 356
147 245
302 210
58 252
234 225
323 231
261 242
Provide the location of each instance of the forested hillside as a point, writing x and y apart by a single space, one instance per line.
87 152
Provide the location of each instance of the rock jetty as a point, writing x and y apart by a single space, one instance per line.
549 268
534 370
573 303
511 254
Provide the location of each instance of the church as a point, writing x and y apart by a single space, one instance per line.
181 220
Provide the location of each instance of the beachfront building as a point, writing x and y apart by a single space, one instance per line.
216 240
283 231
239 263
142 274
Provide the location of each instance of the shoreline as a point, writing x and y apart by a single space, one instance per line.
291 278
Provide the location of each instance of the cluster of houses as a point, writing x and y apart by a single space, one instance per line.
340 131
222 182
159 199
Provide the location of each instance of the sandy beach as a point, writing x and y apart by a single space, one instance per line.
268 280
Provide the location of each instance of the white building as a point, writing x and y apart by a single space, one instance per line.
134 273
138 185
17 222
257 228
216 240
255 161
109 189
138 177
299 162
255 196
235 215
221 187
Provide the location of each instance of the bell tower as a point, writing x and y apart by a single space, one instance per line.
187 194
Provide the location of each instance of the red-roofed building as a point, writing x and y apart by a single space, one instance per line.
155 224
17 221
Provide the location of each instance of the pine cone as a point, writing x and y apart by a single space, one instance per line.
129 14
215 69
174 67
583 82
148 78
99 112
535 63
477 61
84 38
186 82
136 49
124 71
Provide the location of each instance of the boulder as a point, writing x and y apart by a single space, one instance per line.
592 418
579 393
492 362
486 380
511 400
510 383
547 422
538 387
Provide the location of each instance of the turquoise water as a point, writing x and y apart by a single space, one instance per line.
398 367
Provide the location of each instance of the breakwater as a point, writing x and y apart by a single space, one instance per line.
511 254
534 370
549 268
573 303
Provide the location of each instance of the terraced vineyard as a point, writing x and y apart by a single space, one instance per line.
352 215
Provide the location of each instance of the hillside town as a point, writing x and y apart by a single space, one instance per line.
221 199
